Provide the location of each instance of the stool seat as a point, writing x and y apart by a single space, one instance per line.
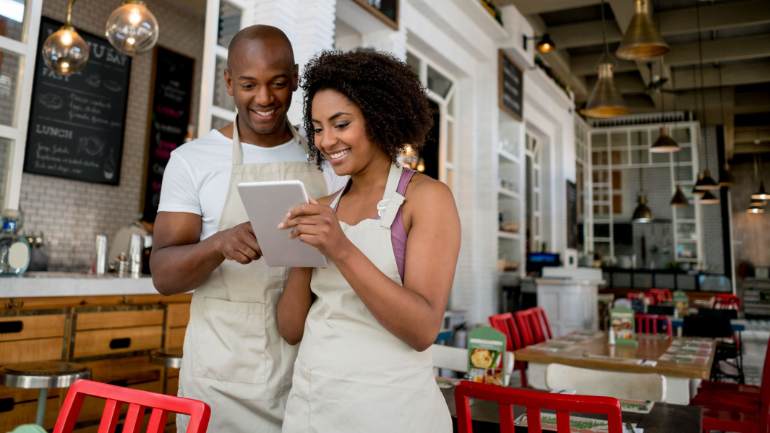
171 358
43 375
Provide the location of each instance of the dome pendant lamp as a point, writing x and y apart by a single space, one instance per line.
132 28
65 51
641 40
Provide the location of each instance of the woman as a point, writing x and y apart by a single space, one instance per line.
392 238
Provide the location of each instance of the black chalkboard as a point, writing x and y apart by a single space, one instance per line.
76 123
510 86
572 221
169 115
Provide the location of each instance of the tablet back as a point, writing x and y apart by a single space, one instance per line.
266 205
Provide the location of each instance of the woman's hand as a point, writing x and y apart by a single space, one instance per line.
317 225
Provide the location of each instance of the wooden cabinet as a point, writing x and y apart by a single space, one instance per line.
113 335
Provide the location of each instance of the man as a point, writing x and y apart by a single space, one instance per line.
234 358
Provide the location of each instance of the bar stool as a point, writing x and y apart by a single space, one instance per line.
43 375
169 358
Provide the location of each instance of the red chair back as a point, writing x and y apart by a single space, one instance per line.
505 324
726 301
533 325
138 401
661 295
534 401
650 323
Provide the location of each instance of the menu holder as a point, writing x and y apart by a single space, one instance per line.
510 86
622 326
485 355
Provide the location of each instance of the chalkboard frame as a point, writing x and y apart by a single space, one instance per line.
504 58
390 22
115 181
572 220
150 115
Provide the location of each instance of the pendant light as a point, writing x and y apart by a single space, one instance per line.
726 178
664 143
642 212
605 101
706 182
755 209
64 51
132 28
708 198
695 190
641 40
679 199
761 194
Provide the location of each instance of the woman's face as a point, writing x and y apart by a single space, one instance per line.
339 131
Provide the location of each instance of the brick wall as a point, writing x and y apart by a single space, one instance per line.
71 213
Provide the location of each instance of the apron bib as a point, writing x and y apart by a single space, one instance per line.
234 358
352 375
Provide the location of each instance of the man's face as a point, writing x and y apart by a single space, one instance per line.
261 79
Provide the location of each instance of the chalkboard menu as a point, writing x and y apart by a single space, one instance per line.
76 123
510 84
572 221
169 115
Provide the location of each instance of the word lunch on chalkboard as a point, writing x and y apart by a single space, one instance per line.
169 115
510 86
76 123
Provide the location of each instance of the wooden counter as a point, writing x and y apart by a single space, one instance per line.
112 333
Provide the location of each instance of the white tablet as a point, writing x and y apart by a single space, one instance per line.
266 205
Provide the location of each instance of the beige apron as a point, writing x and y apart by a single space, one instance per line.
352 375
234 358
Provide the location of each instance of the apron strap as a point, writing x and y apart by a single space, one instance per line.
392 200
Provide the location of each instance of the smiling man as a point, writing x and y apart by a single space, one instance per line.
234 358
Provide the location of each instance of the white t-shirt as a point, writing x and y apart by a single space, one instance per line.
197 175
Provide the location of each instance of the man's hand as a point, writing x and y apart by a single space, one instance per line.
239 243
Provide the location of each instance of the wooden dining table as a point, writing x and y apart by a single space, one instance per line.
683 361
663 418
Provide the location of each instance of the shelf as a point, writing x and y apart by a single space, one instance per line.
507 193
485 22
507 156
509 236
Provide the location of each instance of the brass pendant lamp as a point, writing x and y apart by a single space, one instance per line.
641 40
605 101
65 51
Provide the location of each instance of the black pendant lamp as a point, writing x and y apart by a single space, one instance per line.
756 209
642 212
605 101
708 198
679 199
664 143
761 194
707 182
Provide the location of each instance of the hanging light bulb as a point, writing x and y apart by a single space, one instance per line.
132 28
65 51
679 199
708 198
664 143
641 40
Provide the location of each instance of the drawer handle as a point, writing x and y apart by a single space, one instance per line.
11 327
120 343
6 404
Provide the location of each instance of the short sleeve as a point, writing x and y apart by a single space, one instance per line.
179 191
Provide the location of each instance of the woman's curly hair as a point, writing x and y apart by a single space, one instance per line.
387 92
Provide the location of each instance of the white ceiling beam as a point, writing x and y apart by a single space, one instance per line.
717 16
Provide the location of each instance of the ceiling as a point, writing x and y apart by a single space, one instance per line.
735 51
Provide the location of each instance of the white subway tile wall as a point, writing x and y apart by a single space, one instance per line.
71 213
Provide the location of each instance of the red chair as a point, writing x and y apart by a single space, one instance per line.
736 407
534 401
651 324
533 325
137 400
661 295
504 323
726 301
